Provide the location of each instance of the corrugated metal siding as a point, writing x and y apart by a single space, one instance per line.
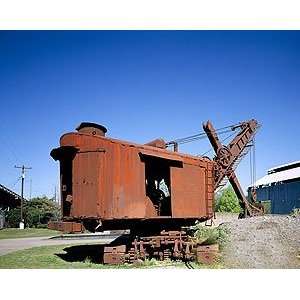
283 196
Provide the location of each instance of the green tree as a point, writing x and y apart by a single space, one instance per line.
38 211
228 201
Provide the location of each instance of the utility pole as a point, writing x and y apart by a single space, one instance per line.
30 189
23 168
55 193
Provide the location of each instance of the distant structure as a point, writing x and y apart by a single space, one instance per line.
281 186
8 200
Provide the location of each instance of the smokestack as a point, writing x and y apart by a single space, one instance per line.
91 128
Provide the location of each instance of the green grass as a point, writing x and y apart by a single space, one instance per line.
45 258
13 233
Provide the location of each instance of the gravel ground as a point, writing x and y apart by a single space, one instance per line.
265 242
221 218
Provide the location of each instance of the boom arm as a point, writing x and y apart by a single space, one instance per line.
228 156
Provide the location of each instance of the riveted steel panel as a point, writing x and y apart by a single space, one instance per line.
188 191
108 180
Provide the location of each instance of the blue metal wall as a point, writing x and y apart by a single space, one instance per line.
283 196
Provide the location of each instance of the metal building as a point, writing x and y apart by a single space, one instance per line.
281 186
8 199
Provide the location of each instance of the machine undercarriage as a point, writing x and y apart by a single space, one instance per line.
168 245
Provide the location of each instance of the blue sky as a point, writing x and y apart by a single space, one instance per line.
142 85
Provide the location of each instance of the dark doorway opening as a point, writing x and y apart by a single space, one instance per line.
66 185
158 184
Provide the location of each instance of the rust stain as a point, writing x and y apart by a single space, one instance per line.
112 179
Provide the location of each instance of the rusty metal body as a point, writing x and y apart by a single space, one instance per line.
66 227
167 245
105 182
111 184
227 158
207 254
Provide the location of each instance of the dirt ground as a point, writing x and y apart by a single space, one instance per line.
265 242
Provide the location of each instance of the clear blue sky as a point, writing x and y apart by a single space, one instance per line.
142 85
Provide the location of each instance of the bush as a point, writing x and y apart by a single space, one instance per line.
37 212
295 212
228 202
205 235
13 217
267 206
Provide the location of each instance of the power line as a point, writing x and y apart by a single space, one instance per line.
251 168
254 161
13 184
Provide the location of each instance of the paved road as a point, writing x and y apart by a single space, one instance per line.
11 245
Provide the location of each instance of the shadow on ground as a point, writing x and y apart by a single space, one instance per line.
93 253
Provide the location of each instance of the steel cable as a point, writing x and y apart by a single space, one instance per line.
202 135
223 140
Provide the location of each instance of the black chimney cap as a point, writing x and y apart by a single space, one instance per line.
89 124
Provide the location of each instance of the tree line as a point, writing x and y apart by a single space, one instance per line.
37 213
40 210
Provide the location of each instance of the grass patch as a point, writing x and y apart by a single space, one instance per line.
45 258
14 233
40 258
